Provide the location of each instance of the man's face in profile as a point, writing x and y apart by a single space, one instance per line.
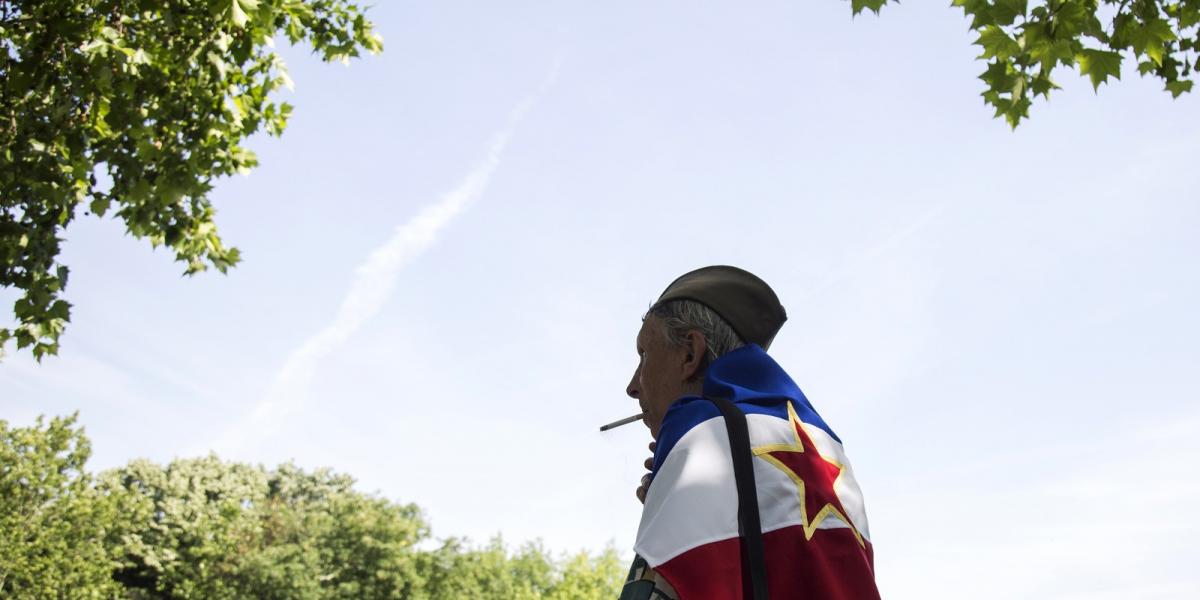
660 378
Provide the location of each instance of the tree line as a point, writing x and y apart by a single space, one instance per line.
213 529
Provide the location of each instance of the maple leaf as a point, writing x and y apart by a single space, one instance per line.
1007 11
996 43
1178 87
858 6
1149 38
1099 65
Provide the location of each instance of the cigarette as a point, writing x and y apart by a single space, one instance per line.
625 421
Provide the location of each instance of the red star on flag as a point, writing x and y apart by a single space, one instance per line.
814 474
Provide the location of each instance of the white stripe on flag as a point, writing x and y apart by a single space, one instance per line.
693 499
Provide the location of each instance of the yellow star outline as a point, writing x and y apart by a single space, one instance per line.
768 452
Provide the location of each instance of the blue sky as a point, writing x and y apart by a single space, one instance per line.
1000 325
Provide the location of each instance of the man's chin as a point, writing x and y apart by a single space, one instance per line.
653 427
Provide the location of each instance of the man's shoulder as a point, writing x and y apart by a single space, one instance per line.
690 411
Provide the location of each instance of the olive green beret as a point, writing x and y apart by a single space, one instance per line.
746 302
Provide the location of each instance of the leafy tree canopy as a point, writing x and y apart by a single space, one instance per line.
203 528
208 529
1024 41
135 107
51 519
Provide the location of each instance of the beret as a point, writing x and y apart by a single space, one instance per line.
746 302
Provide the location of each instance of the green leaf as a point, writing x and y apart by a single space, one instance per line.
238 11
217 62
25 339
857 6
1052 53
999 76
1041 86
1188 14
1148 38
1099 65
99 206
1005 12
136 109
61 309
1178 87
1075 17
996 43
979 10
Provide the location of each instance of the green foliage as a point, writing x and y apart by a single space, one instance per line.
134 107
590 576
184 531
1024 41
456 571
203 528
52 522
873 5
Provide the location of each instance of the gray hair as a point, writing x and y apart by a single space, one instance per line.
682 316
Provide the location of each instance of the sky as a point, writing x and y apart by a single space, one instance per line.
448 252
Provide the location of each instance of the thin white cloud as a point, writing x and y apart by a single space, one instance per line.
375 280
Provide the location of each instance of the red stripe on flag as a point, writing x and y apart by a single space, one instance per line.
830 566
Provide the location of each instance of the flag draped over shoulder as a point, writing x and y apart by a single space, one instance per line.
815 533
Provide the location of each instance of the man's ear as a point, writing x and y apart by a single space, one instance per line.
697 350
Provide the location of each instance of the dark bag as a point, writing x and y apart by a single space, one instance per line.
754 566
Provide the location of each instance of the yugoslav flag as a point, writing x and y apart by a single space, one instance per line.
815 534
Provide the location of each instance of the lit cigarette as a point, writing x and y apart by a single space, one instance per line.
625 421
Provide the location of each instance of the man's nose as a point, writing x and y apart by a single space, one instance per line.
632 389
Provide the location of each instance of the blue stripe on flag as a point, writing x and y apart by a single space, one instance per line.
753 381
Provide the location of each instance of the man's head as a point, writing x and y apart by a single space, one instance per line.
699 317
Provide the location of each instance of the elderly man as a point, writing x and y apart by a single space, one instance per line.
749 493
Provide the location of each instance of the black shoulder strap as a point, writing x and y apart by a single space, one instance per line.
754 566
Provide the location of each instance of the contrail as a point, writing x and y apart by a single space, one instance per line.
375 279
